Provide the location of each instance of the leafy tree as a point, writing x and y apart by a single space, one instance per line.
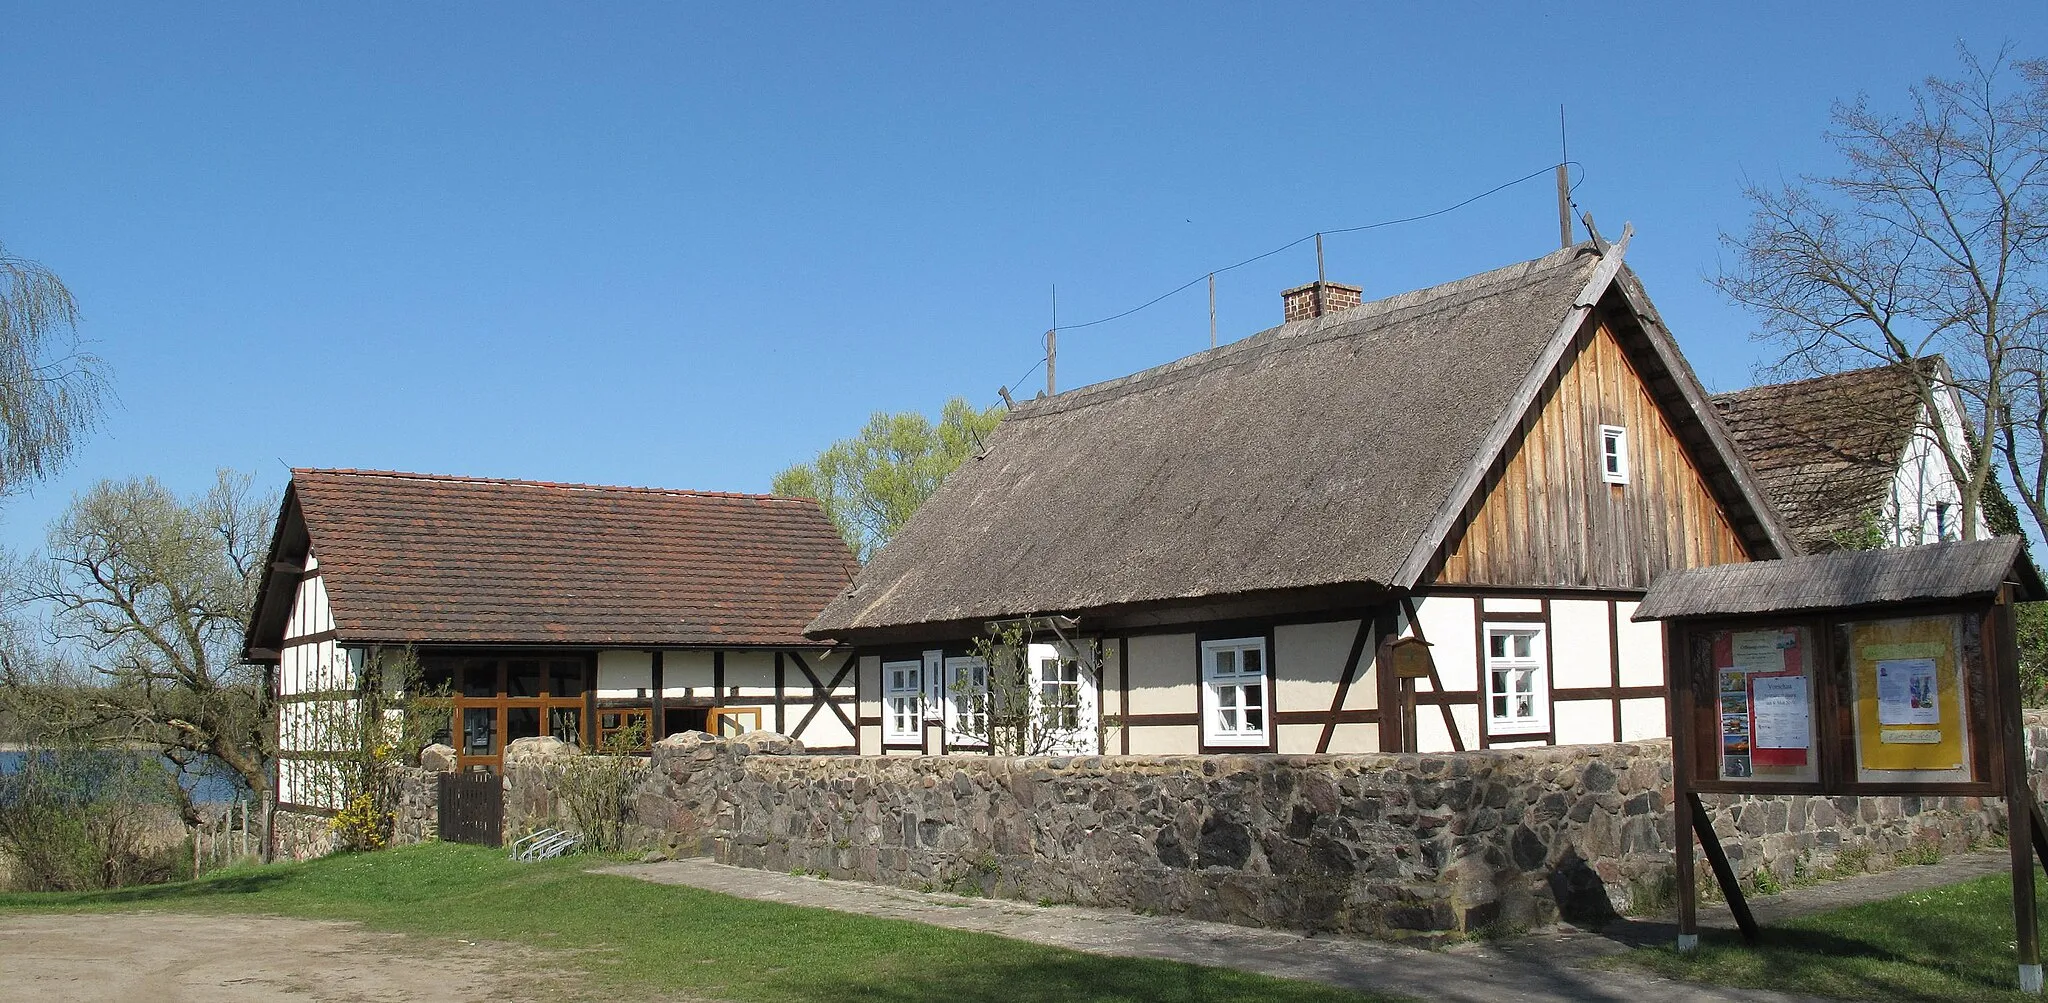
155 590
871 484
1933 237
50 390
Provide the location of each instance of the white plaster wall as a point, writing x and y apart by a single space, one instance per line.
826 730
686 674
1430 734
1583 722
624 674
1169 740
1642 718
1308 660
1923 483
1642 649
1447 624
1507 604
750 682
869 706
1163 670
1349 738
1579 648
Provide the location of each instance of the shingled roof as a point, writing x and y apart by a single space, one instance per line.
1826 449
425 559
1326 452
1844 579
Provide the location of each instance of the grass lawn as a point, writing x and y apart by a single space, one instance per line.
639 938
1950 943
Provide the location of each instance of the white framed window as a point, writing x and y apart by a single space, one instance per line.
1234 692
1517 687
1614 454
1059 692
967 701
903 702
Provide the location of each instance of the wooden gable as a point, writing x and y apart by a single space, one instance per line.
1544 517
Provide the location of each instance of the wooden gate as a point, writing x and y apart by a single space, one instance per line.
473 808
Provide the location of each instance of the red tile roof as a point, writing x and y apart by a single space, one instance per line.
423 559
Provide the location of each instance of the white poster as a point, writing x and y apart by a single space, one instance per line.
1757 651
1782 717
1907 691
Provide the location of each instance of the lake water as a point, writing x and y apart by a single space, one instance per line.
210 784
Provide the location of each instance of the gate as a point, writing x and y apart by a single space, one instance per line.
472 808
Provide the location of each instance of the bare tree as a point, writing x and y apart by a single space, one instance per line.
1931 240
155 590
50 389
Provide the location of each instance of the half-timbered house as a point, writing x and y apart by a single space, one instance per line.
570 610
1220 550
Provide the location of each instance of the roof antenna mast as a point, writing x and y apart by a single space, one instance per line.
1321 288
1564 186
1052 345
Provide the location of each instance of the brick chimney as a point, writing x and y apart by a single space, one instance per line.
1318 298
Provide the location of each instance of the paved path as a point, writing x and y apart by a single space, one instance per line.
1539 969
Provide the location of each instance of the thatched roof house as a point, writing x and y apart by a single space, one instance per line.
1531 432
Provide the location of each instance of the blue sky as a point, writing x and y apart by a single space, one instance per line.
687 245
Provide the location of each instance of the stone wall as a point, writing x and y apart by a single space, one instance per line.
1387 845
300 835
416 803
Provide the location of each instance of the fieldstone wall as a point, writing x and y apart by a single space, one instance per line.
300 835
1384 845
416 811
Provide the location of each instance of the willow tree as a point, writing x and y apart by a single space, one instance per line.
50 390
872 483
1931 237
154 590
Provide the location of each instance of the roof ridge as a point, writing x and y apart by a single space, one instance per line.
562 485
1314 330
1925 360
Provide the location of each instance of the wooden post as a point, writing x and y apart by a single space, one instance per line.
1678 686
2019 798
1564 206
1052 336
1724 874
1411 741
1212 309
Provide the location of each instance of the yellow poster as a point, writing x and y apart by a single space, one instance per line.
1909 704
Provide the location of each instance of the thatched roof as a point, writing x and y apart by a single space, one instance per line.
1324 452
1826 449
1844 579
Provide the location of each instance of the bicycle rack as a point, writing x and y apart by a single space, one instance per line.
544 844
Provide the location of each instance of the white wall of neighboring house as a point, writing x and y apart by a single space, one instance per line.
1925 503
312 671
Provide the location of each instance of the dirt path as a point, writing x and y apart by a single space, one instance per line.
176 958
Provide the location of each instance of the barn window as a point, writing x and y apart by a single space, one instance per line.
1234 689
902 702
1517 690
1614 454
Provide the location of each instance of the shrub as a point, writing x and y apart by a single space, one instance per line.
79 819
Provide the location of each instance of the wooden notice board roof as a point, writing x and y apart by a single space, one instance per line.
1845 579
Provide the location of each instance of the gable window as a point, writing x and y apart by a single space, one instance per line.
1614 454
1234 691
1517 692
903 702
